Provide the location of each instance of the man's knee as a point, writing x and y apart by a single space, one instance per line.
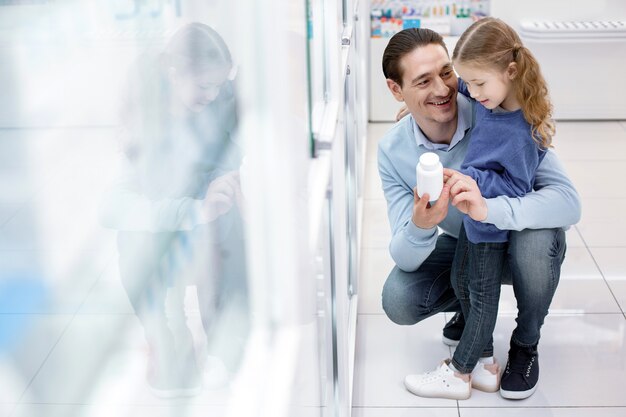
537 255
400 304
531 246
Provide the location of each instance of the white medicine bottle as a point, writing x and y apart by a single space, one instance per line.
429 176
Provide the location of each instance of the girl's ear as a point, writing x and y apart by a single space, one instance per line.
511 70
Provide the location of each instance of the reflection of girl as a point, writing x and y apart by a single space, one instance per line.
175 202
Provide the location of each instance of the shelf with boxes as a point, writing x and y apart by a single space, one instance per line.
448 17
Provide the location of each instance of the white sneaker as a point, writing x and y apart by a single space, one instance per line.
440 383
486 377
215 374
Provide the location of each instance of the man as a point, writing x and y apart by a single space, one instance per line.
419 73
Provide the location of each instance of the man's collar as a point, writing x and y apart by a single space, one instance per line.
464 122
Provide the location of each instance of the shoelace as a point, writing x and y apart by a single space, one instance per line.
455 319
520 367
434 376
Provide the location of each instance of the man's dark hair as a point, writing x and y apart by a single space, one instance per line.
401 44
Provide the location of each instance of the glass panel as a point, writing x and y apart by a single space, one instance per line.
123 276
138 229
350 177
347 7
317 66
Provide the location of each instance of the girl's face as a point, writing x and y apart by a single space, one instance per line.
490 87
196 90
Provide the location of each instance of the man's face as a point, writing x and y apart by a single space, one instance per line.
429 85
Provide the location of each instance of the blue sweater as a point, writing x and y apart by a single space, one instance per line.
553 203
502 158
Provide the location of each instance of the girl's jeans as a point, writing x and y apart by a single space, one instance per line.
475 277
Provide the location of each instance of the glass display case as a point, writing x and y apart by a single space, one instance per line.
180 217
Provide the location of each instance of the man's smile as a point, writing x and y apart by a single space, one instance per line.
441 102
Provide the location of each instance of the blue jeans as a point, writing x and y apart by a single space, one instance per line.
475 277
533 266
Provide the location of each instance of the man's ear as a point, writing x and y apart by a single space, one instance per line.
511 70
395 89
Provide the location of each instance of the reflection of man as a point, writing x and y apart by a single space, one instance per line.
175 205
419 73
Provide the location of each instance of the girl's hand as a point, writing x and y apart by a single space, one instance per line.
465 194
221 194
404 110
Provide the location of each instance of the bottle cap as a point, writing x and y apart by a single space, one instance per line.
429 161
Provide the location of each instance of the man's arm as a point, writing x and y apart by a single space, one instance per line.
410 245
554 203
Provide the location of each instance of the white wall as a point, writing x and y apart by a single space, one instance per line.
512 11
584 76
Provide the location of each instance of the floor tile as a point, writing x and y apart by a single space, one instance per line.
94 347
387 352
7 211
376 229
108 295
573 239
405 412
572 297
595 342
102 360
603 223
54 281
543 412
6 410
165 409
583 296
25 342
592 178
376 264
579 265
612 263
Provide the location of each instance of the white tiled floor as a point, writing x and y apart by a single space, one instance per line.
70 344
583 345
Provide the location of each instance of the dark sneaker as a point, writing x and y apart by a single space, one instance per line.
521 374
453 330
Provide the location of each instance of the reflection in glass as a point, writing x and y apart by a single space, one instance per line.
176 206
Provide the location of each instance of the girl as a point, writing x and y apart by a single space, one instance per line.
175 206
512 131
